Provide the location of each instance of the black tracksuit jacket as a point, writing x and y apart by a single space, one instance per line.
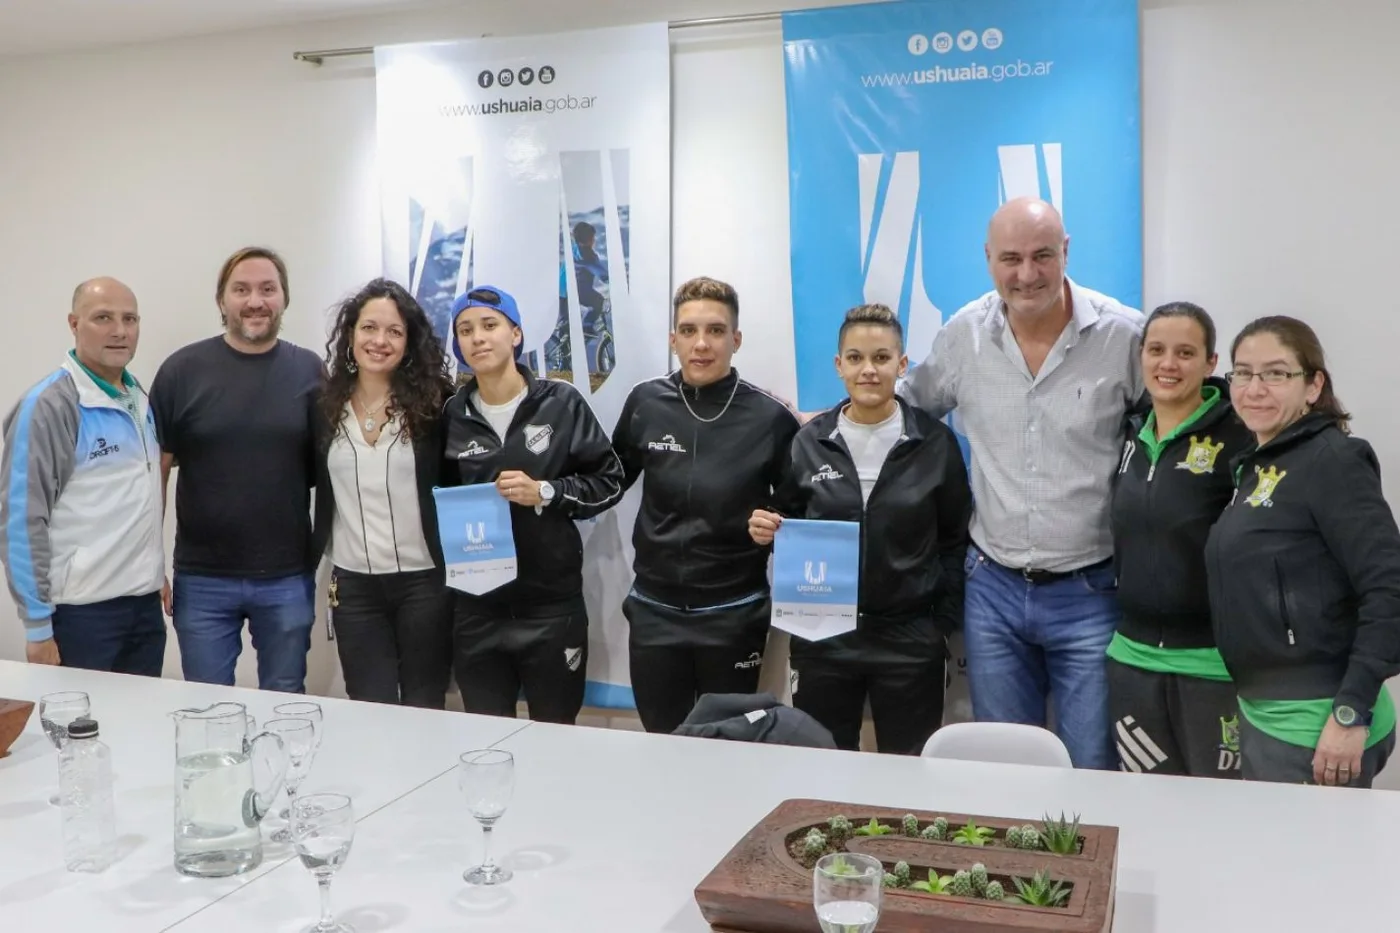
556 437
1163 508
1304 568
913 534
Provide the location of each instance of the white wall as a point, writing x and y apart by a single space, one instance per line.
1269 129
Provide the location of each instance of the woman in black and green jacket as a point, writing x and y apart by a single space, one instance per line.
1304 568
1170 698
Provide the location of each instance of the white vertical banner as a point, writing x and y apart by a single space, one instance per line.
541 165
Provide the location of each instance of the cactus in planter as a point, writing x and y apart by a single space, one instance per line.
1030 838
1013 837
910 825
936 831
1061 836
840 830
814 844
901 874
994 891
890 881
961 885
978 876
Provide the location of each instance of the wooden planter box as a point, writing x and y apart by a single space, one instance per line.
760 888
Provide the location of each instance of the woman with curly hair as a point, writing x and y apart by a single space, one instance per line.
379 455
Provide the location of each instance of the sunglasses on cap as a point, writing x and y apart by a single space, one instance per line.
487 296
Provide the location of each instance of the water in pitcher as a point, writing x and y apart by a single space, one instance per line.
216 825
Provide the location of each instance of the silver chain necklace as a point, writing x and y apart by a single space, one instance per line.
721 411
370 412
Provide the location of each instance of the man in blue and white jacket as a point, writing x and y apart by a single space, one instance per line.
80 500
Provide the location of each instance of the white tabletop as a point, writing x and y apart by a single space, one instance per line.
611 831
375 753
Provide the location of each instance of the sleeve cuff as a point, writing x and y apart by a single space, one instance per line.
1360 691
36 632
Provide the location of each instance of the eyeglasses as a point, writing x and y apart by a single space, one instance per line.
485 296
1270 377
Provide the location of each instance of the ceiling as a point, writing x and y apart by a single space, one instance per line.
30 27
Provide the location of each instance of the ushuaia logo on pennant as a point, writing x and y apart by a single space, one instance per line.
537 437
476 538
814 572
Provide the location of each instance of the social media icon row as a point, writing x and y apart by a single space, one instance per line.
966 41
525 76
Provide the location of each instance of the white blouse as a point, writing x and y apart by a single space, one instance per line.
378 527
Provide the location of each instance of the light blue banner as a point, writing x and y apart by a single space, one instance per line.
909 123
816 578
478 541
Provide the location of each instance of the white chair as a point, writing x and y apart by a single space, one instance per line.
1003 742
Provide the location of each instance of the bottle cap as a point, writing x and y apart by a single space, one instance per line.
82 729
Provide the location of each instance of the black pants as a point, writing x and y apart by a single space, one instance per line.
125 635
1172 724
906 699
1269 759
393 632
498 653
675 656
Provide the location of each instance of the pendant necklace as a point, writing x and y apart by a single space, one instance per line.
369 412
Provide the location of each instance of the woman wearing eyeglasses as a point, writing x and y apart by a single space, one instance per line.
377 461
540 444
1169 695
1304 570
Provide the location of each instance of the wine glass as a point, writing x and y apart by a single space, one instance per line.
301 709
846 892
486 778
323 828
299 739
57 711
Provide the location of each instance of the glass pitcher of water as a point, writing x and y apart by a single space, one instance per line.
218 802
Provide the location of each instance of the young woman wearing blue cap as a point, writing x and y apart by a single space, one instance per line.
541 445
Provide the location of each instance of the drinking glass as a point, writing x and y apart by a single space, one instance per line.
323 828
57 711
486 778
301 709
846 892
299 739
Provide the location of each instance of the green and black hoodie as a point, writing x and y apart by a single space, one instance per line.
1166 496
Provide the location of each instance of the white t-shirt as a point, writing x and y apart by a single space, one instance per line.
378 527
869 445
499 416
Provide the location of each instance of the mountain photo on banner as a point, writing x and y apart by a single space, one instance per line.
910 123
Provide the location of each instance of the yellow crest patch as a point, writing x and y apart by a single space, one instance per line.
1200 457
1268 482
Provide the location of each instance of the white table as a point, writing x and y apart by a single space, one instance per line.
375 753
611 831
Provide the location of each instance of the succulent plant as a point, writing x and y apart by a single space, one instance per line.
978 875
840 830
910 825
937 830
1013 837
873 828
901 873
994 891
1040 891
961 885
973 835
814 844
1062 836
934 884
890 881
1030 838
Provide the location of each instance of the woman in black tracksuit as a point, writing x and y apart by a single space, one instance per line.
899 473
1304 569
1169 695
541 445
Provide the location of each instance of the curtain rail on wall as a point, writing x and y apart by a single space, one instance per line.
318 56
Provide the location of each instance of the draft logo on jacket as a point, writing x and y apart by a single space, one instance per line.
1264 491
1200 458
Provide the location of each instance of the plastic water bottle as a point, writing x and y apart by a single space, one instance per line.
85 786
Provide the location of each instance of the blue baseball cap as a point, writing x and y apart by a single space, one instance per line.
485 296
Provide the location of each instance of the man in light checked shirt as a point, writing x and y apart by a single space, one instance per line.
1039 374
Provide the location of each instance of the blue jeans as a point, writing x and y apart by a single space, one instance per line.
125 635
1026 640
209 615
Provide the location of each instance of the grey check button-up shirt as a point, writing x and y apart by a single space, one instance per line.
1044 447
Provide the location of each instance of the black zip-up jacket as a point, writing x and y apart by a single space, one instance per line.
554 436
427 468
701 480
913 533
1163 508
1304 569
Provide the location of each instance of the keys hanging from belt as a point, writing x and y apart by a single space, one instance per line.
332 604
